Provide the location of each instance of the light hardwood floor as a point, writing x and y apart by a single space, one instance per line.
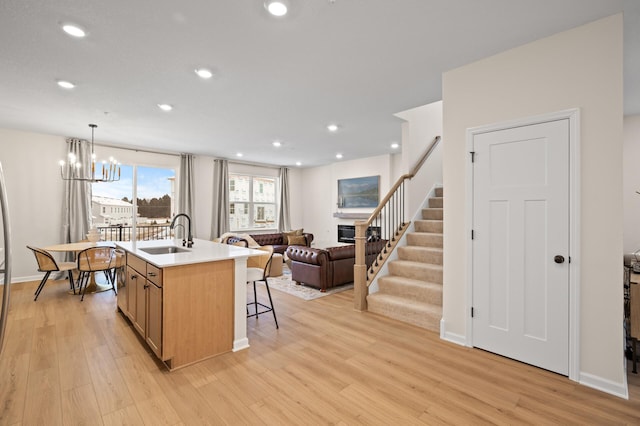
67 362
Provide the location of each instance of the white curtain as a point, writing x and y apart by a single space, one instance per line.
76 206
220 215
186 192
284 221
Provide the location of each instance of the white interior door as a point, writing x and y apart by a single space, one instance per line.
521 243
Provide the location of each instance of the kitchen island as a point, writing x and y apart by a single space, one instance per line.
188 304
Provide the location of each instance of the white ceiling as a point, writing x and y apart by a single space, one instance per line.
353 62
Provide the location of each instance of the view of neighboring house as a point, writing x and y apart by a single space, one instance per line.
252 202
110 211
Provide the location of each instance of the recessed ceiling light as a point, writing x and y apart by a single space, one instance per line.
276 7
165 107
239 154
395 145
338 156
74 30
204 73
298 163
332 127
277 144
66 84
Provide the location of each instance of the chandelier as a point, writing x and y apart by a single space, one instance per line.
110 170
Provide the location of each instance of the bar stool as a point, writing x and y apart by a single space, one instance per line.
258 270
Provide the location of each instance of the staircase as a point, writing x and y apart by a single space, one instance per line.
412 291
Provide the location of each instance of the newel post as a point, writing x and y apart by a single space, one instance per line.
360 269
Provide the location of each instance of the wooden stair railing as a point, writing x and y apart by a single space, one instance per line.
389 216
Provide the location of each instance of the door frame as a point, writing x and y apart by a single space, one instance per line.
573 115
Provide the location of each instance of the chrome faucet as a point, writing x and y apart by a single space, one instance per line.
189 241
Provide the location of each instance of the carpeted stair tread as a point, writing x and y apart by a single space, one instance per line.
414 312
429 225
419 290
436 202
425 239
421 254
432 214
416 270
412 290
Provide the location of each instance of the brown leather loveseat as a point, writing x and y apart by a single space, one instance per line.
279 241
330 267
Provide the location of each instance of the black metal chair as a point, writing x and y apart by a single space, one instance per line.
47 264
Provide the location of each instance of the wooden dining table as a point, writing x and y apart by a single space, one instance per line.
93 286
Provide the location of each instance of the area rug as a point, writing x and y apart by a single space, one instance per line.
285 284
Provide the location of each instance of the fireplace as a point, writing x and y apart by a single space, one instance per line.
347 233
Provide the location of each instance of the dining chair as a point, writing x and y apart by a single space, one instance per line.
116 273
47 264
258 270
95 259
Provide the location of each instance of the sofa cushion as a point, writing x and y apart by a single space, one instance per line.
342 252
269 239
310 255
296 240
293 232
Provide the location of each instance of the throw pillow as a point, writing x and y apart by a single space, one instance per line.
297 240
286 235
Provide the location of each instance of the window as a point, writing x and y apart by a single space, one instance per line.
155 192
252 202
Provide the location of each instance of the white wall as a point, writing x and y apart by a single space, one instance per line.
320 194
422 125
577 68
631 183
34 191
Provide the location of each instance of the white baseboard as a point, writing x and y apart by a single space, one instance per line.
458 339
240 344
618 389
15 280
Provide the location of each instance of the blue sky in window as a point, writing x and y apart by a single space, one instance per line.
153 182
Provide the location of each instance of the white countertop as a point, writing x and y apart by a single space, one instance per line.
202 251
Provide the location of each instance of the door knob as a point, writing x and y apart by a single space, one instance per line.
558 259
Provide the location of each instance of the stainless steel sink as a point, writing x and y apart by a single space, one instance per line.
164 250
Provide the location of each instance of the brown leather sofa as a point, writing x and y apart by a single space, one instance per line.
330 267
277 240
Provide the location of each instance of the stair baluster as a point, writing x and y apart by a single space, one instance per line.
390 215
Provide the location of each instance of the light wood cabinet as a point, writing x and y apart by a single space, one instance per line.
123 292
154 318
142 302
126 292
140 310
185 313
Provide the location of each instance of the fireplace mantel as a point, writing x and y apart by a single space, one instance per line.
342 215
